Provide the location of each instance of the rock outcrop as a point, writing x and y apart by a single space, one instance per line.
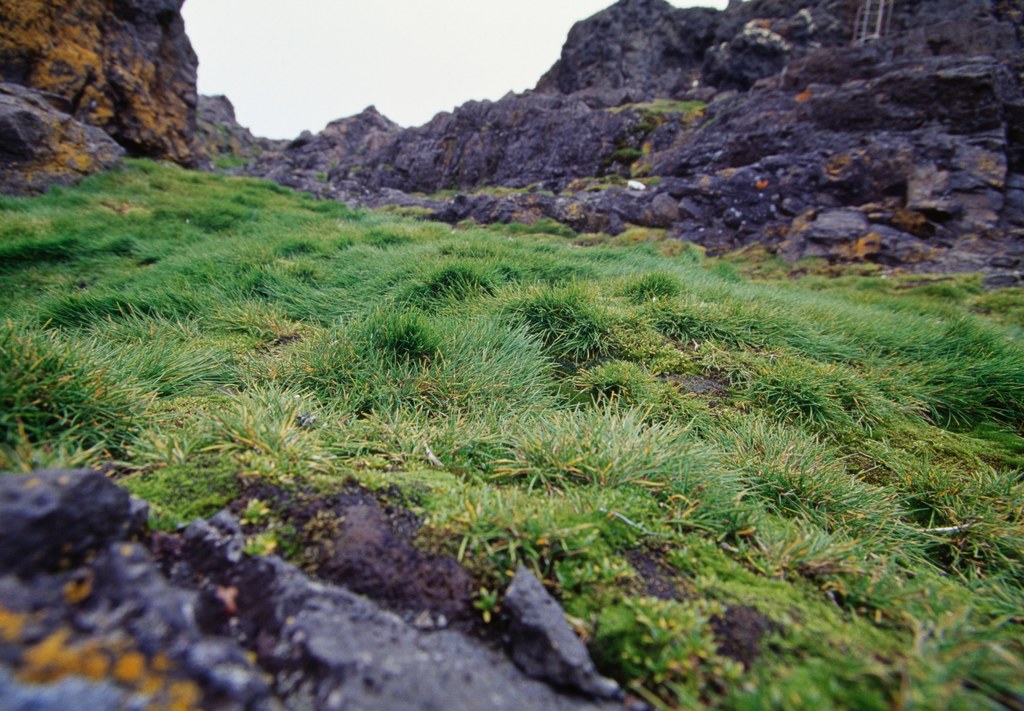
41 145
543 644
125 66
847 131
516 142
905 150
97 613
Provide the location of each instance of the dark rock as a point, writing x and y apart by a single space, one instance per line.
330 648
647 47
126 67
54 518
214 544
756 52
317 163
802 124
227 631
65 694
520 141
219 136
543 644
40 146
1004 280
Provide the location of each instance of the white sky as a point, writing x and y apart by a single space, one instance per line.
290 65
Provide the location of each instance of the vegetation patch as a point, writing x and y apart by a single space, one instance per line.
749 485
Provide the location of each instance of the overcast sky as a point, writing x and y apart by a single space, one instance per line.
298 64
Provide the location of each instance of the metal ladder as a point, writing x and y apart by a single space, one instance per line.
874 20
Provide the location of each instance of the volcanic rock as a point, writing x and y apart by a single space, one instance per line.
41 145
646 47
345 147
123 65
59 515
220 136
920 132
89 617
543 644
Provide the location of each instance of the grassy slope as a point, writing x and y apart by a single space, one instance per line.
842 456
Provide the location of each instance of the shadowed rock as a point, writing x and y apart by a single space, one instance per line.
58 516
41 145
646 47
543 644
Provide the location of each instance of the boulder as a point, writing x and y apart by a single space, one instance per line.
125 66
42 146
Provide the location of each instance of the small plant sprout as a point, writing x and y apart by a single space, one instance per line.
487 603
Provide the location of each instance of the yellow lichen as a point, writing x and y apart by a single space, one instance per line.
53 659
183 696
56 658
11 625
838 165
77 590
68 50
130 668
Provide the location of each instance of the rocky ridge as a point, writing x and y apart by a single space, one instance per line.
757 125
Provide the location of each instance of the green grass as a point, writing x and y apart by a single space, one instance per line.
839 453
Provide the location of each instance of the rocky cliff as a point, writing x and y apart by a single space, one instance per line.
758 124
125 66
648 48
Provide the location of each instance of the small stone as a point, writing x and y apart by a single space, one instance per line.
543 644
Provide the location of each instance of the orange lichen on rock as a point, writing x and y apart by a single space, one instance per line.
130 73
130 668
867 245
58 657
912 222
54 658
838 165
78 590
11 625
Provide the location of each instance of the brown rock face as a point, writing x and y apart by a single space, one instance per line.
123 65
